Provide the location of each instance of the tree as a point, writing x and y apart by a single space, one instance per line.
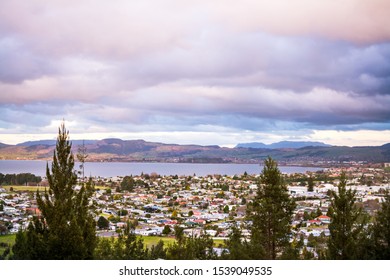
82 157
270 214
381 230
66 228
125 247
237 248
190 248
166 230
346 226
158 251
310 184
127 183
102 223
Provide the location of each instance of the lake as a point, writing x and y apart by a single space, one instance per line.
112 169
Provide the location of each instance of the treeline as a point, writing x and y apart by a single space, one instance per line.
19 179
128 246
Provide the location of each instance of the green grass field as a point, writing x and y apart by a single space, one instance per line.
153 240
23 188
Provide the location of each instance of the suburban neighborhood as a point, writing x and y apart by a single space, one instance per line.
202 205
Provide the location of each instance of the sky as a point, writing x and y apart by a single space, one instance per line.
196 71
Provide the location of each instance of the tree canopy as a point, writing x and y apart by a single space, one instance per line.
66 227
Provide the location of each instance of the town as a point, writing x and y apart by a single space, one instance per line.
208 205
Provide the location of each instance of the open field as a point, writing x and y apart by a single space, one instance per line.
40 188
101 188
153 240
24 188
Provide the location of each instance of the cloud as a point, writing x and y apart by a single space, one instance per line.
19 63
195 66
356 21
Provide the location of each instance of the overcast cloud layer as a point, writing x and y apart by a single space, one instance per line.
206 72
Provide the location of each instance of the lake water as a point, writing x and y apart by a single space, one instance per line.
112 169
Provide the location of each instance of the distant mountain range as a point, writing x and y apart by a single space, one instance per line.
53 142
282 145
286 152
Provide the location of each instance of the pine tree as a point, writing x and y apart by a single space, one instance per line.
381 230
66 228
310 184
103 223
347 224
237 248
270 214
158 251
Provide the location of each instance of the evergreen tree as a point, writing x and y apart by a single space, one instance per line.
381 230
347 224
66 228
82 157
237 248
270 214
125 247
158 251
310 184
127 183
190 248
103 223
166 230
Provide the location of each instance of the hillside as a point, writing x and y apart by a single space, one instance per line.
282 145
140 150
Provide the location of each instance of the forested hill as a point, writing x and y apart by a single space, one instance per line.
140 150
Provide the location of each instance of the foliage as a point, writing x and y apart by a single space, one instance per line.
167 230
190 248
310 184
346 227
127 184
19 179
237 248
381 230
270 214
6 242
66 228
125 247
103 223
158 251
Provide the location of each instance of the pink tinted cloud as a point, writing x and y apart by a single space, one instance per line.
132 28
358 21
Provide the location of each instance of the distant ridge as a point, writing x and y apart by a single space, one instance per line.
53 142
287 152
3 145
283 145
